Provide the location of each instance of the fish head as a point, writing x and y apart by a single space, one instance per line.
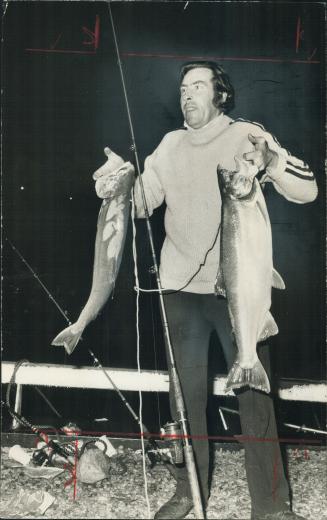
236 184
117 183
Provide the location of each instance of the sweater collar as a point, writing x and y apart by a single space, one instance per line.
206 133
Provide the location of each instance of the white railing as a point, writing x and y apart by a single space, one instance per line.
131 380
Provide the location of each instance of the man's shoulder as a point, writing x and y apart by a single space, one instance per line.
243 125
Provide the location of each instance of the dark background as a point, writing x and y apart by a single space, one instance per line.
60 109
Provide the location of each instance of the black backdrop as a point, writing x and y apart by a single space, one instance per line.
63 102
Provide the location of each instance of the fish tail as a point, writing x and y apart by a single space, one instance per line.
68 338
255 377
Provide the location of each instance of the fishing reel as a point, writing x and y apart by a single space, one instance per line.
171 433
54 453
41 458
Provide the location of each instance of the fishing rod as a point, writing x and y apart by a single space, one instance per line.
149 437
174 378
55 447
151 441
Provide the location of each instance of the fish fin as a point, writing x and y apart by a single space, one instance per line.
68 338
277 280
219 287
254 377
269 328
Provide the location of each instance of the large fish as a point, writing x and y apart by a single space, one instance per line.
117 178
246 272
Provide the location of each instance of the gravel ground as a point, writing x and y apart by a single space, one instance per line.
122 494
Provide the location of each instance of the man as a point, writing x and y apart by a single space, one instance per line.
182 171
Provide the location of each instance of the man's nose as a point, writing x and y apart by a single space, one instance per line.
187 94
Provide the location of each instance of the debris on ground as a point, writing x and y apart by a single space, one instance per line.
25 503
122 493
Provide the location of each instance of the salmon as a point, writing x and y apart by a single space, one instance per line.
246 274
109 244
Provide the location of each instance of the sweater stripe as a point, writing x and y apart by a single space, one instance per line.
300 175
241 120
305 168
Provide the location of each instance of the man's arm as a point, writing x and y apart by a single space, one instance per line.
116 177
291 177
153 190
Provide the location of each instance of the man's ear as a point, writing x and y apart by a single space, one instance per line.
223 97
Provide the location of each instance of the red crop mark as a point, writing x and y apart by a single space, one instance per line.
240 438
93 35
298 35
73 470
215 58
297 454
45 437
75 467
93 42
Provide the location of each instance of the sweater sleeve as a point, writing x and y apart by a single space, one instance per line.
154 169
291 177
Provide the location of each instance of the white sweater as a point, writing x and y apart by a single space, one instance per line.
183 172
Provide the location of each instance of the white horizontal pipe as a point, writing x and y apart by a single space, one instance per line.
304 428
130 380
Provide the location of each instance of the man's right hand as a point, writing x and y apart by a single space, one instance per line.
114 178
113 162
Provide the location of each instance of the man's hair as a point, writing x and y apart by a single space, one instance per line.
220 80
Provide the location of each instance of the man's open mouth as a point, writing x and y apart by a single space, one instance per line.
188 108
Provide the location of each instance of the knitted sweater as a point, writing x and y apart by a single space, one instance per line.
183 172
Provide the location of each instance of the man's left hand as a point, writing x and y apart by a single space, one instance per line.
262 156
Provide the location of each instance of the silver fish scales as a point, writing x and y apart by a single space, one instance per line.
109 245
246 272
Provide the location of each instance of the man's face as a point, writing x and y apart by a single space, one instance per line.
197 95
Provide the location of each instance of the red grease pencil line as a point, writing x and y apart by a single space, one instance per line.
218 58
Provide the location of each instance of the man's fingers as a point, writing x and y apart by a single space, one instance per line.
258 156
258 141
255 158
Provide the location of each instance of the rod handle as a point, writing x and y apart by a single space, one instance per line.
194 481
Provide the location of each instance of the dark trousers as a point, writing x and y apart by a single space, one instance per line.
192 318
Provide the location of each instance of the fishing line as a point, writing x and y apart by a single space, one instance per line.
68 321
98 364
202 264
138 354
12 381
155 357
134 148
174 378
